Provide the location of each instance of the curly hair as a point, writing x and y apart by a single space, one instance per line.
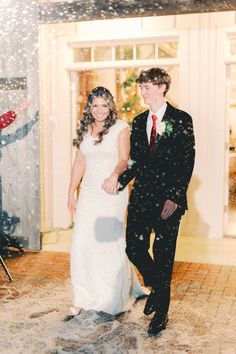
87 118
156 76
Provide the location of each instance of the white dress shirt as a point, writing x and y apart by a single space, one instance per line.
160 114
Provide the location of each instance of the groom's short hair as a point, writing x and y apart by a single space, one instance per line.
156 76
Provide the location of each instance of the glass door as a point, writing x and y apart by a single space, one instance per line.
122 83
230 217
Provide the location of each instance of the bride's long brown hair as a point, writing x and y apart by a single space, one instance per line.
87 118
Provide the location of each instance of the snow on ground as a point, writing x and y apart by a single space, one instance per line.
32 323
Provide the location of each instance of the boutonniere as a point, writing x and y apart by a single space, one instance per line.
168 128
165 127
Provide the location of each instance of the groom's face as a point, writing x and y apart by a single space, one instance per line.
150 93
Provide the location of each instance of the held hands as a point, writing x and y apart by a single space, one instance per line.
168 209
111 184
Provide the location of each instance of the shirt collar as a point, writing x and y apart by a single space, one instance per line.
160 113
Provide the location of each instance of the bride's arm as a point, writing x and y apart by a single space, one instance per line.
110 183
76 176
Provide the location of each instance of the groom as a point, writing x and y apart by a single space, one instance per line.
162 155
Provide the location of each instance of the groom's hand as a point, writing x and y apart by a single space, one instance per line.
168 209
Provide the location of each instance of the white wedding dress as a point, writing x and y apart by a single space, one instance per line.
102 277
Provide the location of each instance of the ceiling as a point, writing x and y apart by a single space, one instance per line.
84 10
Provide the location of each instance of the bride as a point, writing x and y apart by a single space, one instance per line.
102 277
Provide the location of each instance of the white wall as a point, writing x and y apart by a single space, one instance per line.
56 124
201 93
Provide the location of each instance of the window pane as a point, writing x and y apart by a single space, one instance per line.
102 53
145 51
233 47
167 50
124 52
128 100
172 95
82 54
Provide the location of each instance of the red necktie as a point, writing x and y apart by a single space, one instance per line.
153 134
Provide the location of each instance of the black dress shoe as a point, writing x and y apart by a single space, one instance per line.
150 305
157 324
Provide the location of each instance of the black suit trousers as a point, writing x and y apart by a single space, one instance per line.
156 270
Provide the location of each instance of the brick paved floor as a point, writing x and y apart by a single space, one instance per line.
211 286
203 280
192 282
35 269
214 283
208 292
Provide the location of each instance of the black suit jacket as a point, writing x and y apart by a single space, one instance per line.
164 174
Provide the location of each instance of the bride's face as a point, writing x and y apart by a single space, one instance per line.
99 109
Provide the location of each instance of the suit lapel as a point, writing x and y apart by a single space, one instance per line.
143 128
166 118
168 113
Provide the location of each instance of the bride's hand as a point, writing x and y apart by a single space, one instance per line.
71 204
110 184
